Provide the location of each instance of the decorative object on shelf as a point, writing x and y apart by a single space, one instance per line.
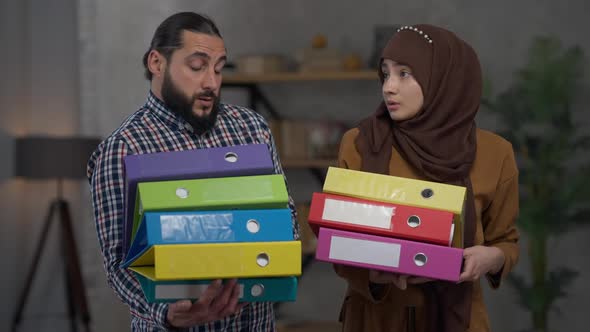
324 139
261 64
308 140
319 57
319 41
294 139
537 115
352 62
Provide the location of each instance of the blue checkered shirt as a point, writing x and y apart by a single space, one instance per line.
154 128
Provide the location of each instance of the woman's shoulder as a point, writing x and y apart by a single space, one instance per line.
488 140
348 156
350 135
495 154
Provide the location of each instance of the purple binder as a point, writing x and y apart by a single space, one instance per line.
238 160
389 254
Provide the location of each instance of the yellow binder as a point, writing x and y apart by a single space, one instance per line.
220 260
405 191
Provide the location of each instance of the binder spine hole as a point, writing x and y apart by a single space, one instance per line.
427 193
414 221
420 259
182 193
231 157
257 290
252 226
262 260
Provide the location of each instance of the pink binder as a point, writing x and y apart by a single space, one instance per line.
389 254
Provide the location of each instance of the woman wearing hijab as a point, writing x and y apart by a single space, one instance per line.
425 129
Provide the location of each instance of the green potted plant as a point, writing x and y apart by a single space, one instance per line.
536 114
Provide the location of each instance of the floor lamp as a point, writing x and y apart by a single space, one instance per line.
56 159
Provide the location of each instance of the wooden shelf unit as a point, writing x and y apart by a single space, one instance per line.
239 78
252 82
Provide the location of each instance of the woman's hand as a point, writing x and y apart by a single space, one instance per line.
401 281
480 260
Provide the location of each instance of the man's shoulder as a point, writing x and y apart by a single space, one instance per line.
131 130
133 127
243 113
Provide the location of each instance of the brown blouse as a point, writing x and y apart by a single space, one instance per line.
494 177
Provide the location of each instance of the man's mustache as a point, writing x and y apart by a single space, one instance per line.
206 94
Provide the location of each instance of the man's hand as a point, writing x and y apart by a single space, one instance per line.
216 302
401 281
480 260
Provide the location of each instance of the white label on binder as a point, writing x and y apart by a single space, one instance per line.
365 251
358 213
185 291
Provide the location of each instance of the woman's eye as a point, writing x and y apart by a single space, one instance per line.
405 74
385 75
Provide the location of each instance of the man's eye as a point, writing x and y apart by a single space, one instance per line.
219 69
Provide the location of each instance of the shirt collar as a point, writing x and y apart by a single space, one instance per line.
159 108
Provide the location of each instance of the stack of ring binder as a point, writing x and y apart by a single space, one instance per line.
389 223
194 216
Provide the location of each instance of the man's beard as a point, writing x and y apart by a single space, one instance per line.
182 105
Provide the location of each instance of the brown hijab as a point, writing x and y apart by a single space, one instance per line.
439 142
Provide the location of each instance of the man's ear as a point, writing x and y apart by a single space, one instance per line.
156 63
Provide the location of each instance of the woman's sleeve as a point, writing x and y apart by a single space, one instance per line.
499 219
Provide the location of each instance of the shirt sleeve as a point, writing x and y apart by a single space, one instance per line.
107 187
499 219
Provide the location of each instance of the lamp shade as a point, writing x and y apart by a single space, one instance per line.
40 157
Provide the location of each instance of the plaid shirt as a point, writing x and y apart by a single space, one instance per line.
154 128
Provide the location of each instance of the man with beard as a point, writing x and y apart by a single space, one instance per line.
182 111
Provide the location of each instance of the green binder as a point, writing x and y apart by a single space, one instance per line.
240 192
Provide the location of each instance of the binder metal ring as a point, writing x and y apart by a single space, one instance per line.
182 193
414 221
231 157
252 226
420 259
257 290
427 193
262 260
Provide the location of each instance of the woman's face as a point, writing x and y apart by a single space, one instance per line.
401 92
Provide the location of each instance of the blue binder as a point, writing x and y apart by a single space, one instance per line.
210 227
282 289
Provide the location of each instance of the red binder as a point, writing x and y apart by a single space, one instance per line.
378 218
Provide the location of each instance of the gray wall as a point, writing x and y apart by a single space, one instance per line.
74 67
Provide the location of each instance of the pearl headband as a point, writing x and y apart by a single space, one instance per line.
407 27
